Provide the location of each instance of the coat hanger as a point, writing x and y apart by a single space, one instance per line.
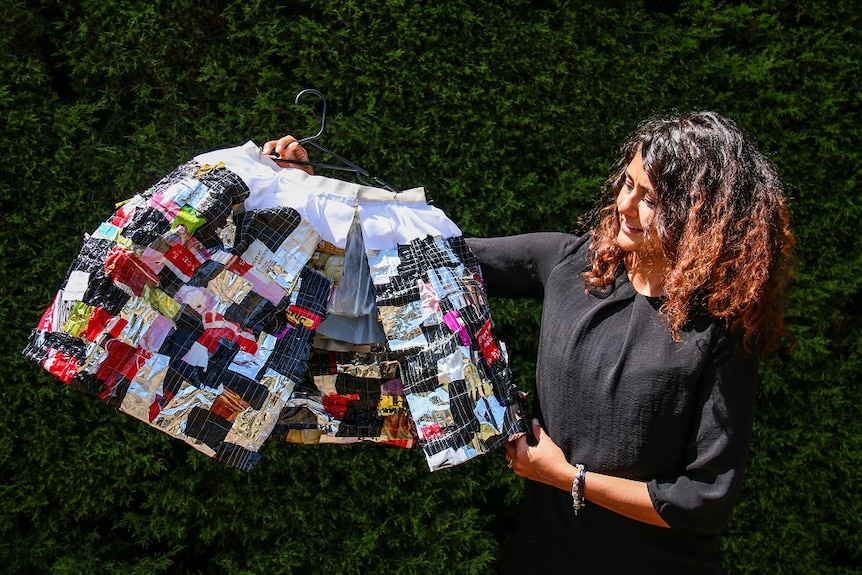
362 175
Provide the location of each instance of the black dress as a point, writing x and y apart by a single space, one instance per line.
619 395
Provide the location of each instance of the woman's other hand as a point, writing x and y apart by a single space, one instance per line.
287 149
544 462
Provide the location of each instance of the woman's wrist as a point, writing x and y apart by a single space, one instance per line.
563 477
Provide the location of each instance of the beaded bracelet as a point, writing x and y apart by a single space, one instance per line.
578 499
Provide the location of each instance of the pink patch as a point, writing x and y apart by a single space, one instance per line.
455 323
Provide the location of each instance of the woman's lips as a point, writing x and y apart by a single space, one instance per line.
631 229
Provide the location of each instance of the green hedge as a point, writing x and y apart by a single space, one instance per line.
510 114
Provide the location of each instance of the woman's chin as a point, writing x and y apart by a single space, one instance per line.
627 243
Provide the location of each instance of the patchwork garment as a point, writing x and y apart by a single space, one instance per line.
236 301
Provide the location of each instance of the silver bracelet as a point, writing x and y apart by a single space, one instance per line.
578 499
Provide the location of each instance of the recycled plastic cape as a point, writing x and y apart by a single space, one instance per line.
236 301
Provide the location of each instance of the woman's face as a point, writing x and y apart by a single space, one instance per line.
635 205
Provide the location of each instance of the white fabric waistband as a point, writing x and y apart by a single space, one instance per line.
387 218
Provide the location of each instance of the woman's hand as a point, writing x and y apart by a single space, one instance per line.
545 462
287 149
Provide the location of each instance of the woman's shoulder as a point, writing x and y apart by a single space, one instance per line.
562 244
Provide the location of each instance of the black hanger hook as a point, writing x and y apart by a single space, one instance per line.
362 175
320 95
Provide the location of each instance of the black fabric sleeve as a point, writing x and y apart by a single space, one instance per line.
701 500
518 266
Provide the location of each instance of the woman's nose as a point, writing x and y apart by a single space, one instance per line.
625 201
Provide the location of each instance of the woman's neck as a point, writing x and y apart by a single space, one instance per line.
646 273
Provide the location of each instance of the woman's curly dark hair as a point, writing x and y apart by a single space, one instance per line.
721 221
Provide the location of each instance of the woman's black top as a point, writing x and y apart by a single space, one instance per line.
619 395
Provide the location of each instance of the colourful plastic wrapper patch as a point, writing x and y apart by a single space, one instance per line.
456 379
349 397
189 313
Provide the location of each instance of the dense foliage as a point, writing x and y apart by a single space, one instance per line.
510 113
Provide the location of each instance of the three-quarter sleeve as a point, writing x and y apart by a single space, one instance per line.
702 498
518 266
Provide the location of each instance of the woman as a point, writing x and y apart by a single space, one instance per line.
651 330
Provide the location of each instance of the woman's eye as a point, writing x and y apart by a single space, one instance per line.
650 202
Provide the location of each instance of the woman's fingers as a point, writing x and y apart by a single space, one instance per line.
283 145
287 148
